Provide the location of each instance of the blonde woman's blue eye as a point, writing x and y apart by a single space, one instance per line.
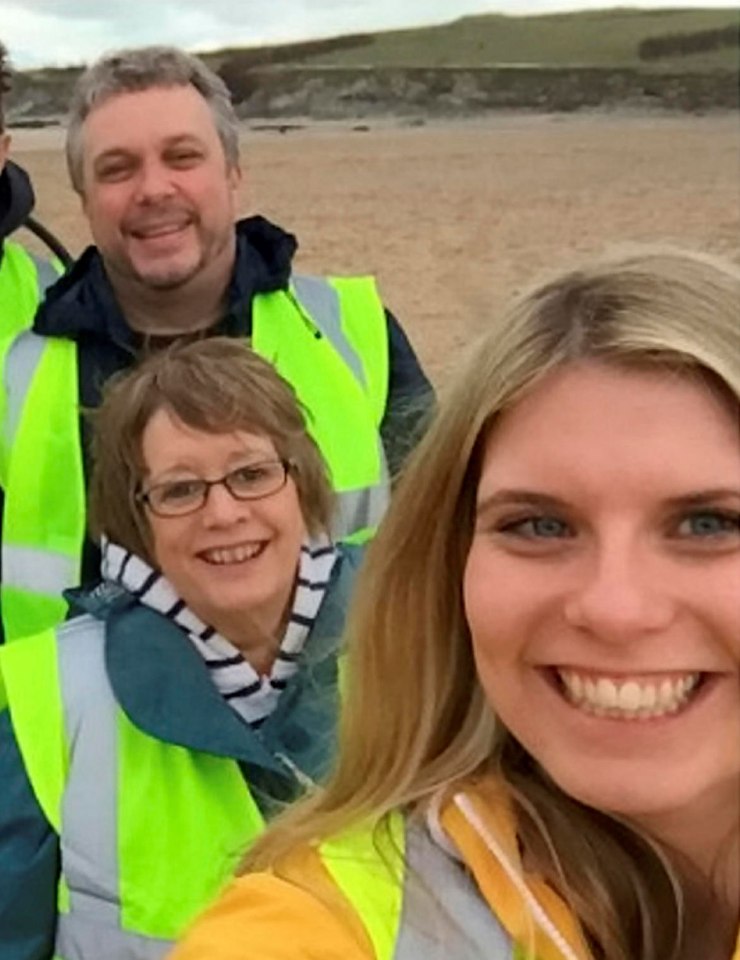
710 523
539 528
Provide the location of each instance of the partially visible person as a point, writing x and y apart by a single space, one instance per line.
145 742
153 152
540 756
23 275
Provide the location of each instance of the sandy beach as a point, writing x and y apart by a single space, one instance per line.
452 218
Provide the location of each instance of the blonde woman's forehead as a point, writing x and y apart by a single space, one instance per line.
591 425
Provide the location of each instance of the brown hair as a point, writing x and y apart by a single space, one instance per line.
5 76
416 718
216 385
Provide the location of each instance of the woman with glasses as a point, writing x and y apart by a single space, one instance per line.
144 743
540 756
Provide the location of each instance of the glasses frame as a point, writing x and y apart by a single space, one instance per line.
144 496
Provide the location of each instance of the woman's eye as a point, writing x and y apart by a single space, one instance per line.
247 475
180 490
537 528
709 523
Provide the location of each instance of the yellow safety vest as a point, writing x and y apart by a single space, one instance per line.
23 279
328 338
149 831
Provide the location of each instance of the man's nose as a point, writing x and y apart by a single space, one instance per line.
623 594
154 181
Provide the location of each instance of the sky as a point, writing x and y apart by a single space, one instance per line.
62 32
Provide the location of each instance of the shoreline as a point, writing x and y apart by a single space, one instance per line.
51 136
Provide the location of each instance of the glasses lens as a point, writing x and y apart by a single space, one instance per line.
256 480
176 497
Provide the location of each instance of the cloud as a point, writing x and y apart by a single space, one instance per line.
40 32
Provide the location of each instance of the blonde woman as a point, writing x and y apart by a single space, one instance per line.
541 752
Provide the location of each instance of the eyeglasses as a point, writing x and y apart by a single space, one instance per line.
254 481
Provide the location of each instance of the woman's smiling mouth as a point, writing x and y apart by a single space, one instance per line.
220 556
637 697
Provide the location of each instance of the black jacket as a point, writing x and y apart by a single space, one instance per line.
16 199
82 307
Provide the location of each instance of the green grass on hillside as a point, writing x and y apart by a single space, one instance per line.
596 38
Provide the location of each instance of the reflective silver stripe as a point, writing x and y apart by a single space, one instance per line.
89 812
443 914
45 274
317 296
21 362
41 571
81 939
362 508
359 509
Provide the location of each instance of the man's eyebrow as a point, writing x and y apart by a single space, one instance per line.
112 152
173 141
179 138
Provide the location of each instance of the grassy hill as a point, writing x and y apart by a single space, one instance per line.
594 38
569 61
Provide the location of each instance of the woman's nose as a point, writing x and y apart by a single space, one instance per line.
622 596
222 507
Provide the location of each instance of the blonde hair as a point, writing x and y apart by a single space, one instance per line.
416 718
216 385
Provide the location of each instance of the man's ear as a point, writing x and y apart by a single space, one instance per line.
234 177
4 149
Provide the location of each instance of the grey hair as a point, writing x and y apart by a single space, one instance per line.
142 68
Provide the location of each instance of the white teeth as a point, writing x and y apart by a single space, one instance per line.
223 555
606 694
629 696
632 699
158 230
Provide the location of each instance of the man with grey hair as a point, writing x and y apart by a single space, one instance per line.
152 150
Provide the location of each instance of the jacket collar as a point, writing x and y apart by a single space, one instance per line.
82 305
477 826
162 684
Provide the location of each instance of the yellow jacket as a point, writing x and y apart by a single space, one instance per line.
302 914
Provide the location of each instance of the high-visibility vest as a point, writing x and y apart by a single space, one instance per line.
23 279
328 338
415 902
149 831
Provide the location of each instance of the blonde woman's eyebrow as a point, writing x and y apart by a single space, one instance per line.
518 497
702 498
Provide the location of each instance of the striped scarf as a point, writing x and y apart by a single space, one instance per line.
254 697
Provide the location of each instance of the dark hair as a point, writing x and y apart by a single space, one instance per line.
215 385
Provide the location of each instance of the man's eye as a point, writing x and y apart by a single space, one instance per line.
537 528
184 158
710 523
113 173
